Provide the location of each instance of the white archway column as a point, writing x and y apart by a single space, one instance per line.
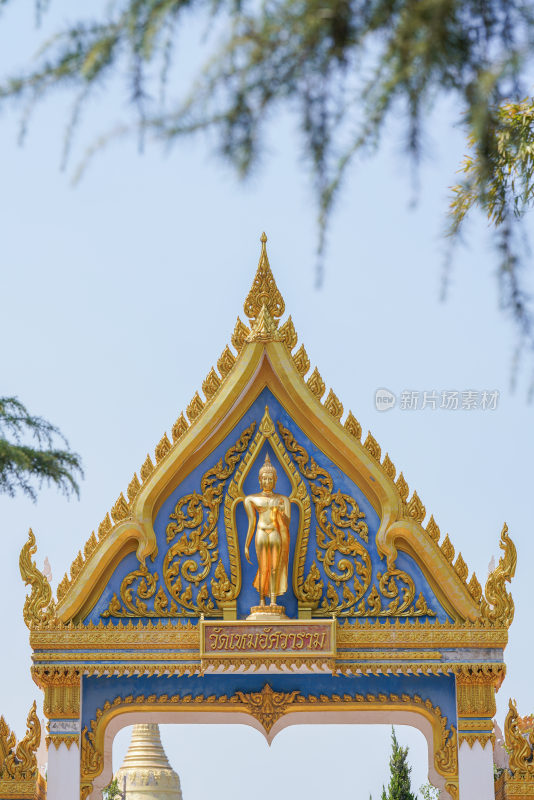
63 773
475 765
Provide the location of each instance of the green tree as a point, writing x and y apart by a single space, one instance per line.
429 792
399 783
22 467
112 791
343 67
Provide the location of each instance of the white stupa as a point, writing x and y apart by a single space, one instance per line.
146 773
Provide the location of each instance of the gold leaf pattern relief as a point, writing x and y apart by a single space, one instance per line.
90 545
433 530
105 527
402 488
264 291
346 561
353 426
264 328
460 568
188 562
447 549
179 428
372 447
333 405
312 588
389 467
239 336
316 385
211 384
289 334
301 361
195 407
338 516
475 589
226 362
221 586
162 448
133 488
147 469
120 510
415 509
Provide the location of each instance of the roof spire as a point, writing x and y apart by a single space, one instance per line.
264 291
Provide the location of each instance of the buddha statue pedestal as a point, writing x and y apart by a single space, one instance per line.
267 613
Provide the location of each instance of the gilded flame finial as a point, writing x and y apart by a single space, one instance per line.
39 606
264 291
497 606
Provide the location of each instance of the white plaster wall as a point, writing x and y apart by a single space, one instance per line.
476 771
63 774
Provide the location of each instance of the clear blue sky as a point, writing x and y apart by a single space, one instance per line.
119 295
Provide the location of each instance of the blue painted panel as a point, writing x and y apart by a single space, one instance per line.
440 690
248 597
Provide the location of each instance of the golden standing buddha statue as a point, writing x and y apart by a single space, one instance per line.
268 516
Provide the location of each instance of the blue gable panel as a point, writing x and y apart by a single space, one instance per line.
249 596
440 690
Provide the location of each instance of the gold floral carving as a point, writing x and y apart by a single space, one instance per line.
289 334
39 607
188 562
226 362
447 549
264 328
497 606
211 384
221 585
133 488
339 523
19 762
389 467
239 336
147 468
433 530
353 426
120 511
460 568
475 589
316 385
402 488
333 405
179 428
267 706
372 446
415 509
264 291
301 361
162 448
195 407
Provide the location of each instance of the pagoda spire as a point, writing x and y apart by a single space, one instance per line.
264 291
146 773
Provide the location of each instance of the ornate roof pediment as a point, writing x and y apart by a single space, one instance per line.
172 544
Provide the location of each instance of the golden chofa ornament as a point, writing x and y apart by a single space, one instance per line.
146 773
268 521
